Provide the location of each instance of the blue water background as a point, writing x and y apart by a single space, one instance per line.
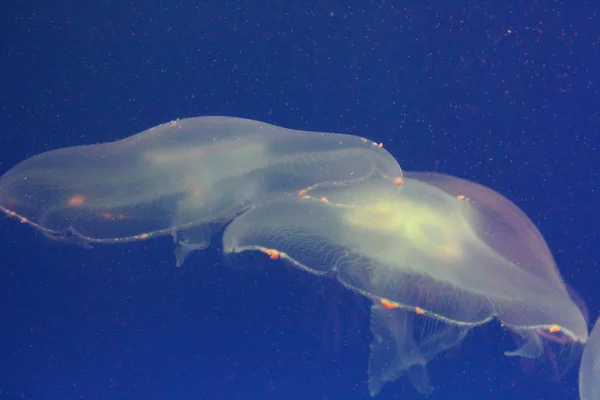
502 93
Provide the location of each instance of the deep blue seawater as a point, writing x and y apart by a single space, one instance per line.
504 95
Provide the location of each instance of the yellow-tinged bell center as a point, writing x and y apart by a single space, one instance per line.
419 226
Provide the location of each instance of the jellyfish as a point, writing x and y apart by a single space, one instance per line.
436 255
440 253
589 369
185 178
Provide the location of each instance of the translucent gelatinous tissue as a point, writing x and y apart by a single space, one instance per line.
179 178
440 248
436 255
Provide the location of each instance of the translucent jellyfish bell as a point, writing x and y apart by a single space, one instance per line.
440 248
440 251
179 178
589 370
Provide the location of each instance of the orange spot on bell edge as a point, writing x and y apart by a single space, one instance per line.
554 329
272 253
389 304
